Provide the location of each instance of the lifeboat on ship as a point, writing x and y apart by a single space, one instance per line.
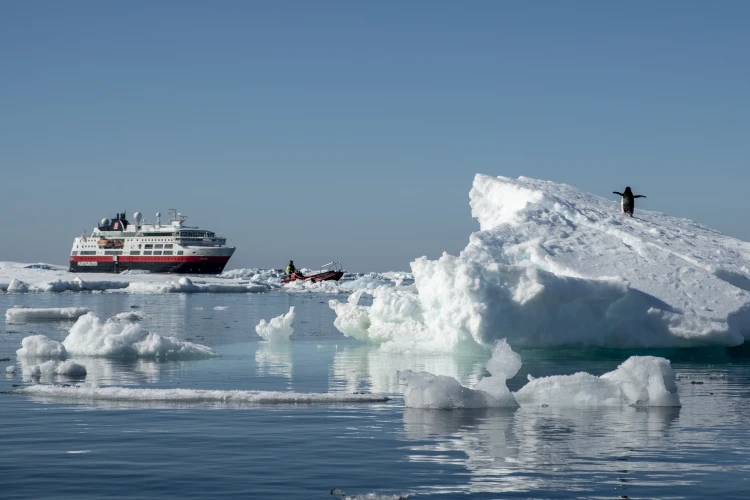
333 271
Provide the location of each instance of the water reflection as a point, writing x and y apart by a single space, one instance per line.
541 449
104 371
274 359
366 368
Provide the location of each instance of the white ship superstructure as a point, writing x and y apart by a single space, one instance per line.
118 245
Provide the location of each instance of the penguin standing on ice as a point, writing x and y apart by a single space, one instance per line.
628 200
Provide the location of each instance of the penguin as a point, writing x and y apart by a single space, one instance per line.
628 200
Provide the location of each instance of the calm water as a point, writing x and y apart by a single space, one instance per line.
50 449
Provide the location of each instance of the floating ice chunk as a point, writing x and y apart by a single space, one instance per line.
425 390
640 381
42 314
54 367
503 365
195 396
221 308
70 369
279 329
10 370
91 336
185 285
131 316
17 286
646 381
40 346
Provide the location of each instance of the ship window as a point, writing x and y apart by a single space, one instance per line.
157 252
147 252
179 252
135 252
88 252
158 245
168 252
113 252
75 253
168 245
149 246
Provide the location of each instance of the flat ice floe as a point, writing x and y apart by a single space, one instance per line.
46 278
640 381
18 314
194 396
555 266
279 329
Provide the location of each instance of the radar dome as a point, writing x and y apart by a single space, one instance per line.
104 222
138 216
158 214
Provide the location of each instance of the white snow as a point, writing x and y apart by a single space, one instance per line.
194 396
279 329
16 314
39 346
555 266
639 381
92 336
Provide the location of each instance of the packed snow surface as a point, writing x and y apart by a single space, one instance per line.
83 393
555 266
639 381
279 329
17 314
92 336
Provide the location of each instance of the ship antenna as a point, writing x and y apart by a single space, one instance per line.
158 218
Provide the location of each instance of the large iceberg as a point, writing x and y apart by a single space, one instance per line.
555 266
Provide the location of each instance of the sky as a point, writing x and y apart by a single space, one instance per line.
351 131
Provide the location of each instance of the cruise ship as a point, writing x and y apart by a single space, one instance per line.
119 245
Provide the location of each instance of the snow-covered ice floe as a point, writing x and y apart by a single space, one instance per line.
194 396
18 314
279 329
112 338
555 266
645 381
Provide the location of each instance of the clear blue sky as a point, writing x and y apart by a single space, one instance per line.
352 130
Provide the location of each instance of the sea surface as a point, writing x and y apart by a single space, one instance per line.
139 449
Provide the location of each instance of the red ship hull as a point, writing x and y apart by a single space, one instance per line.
169 264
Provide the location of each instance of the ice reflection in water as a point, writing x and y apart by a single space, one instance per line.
274 359
366 368
538 449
